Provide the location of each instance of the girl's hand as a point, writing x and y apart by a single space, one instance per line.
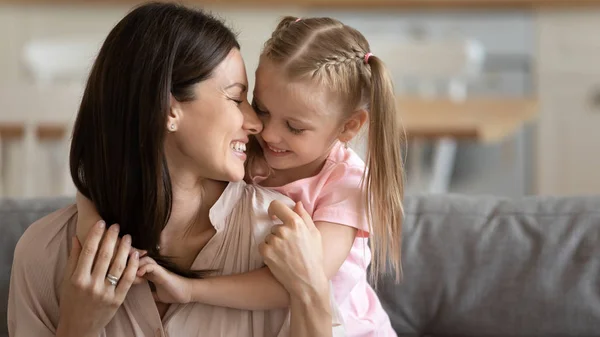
170 287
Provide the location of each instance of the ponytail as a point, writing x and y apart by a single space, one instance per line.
384 176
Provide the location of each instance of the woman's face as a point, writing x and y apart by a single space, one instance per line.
210 133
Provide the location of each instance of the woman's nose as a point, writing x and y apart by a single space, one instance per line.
252 123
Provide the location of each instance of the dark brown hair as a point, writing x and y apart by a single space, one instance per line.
117 154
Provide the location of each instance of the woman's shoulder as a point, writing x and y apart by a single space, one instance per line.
45 244
38 267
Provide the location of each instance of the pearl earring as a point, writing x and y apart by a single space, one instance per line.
172 127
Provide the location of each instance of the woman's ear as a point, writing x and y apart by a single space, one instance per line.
175 114
353 125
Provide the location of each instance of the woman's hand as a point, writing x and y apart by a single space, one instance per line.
88 299
293 251
294 254
170 287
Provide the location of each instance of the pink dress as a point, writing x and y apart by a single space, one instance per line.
334 195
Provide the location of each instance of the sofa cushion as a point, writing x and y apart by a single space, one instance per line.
486 266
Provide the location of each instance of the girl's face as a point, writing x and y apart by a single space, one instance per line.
301 120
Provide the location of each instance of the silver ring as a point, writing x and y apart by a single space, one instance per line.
113 280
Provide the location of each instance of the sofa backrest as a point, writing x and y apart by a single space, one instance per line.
15 217
473 266
487 266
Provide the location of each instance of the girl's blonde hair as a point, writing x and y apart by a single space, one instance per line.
334 55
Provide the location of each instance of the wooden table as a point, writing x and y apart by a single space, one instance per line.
477 119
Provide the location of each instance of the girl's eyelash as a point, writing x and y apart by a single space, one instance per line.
294 130
238 102
262 113
256 109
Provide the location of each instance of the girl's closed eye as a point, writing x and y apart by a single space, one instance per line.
257 110
294 130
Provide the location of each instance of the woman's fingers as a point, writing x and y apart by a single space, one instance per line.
89 249
281 231
106 253
269 238
120 261
281 211
301 211
128 277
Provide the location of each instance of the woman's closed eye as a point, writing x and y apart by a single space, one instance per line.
237 102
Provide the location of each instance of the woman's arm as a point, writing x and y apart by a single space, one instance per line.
296 262
310 313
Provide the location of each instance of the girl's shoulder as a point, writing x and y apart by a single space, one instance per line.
343 164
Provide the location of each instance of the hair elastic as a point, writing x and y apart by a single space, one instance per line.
367 55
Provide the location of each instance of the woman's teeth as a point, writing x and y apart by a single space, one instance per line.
238 146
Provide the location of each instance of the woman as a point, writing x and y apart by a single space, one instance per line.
161 129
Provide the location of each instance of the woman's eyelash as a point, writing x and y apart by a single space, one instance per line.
237 101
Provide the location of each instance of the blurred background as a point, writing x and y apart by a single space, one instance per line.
498 97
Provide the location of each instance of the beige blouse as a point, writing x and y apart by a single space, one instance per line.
241 222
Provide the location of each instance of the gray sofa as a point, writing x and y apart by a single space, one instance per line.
473 266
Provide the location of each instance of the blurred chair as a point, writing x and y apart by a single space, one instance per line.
58 67
434 68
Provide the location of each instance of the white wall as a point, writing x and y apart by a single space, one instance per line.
20 24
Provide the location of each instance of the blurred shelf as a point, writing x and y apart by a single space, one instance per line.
366 4
44 132
478 119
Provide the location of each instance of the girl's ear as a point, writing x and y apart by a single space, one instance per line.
353 125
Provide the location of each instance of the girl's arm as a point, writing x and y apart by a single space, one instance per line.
259 290
254 290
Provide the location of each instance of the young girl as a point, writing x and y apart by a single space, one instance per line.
317 84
